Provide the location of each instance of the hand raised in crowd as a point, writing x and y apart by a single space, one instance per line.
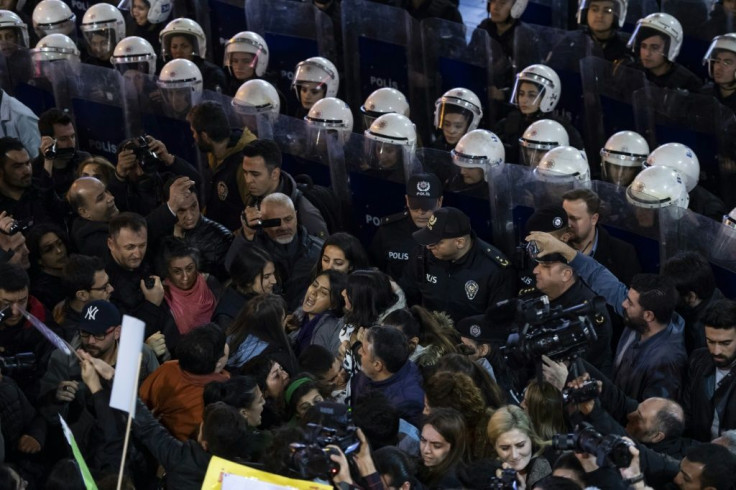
90 376
632 473
6 222
179 192
548 244
66 391
362 458
155 294
127 166
250 218
157 343
586 407
159 148
554 373
103 369
28 444
343 474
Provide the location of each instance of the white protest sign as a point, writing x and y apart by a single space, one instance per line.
125 384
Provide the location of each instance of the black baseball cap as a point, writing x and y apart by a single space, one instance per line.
98 316
423 190
480 329
547 219
444 223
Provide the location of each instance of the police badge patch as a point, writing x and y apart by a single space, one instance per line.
471 289
475 330
222 191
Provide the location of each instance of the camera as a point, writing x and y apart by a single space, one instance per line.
23 361
311 458
19 226
507 480
587 392
610 450
50 152
560 334
147 159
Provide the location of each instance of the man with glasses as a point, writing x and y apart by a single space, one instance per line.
83 279
62 390
393 241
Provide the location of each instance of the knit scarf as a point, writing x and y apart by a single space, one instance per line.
190 308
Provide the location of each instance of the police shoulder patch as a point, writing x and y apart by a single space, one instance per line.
497 256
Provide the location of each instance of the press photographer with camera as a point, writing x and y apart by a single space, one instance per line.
60 155
13 248
650 358
144 164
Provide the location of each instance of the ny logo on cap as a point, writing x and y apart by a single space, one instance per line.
91 313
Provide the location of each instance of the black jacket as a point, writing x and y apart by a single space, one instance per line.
617 256
392 244
697 399
62 178
90 237
230 304
729 101
706 203
677 77
461 288
213 241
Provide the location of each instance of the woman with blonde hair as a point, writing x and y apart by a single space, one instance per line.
516 443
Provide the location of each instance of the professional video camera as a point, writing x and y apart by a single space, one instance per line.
147 159
610 450
558 333
310 458
588 391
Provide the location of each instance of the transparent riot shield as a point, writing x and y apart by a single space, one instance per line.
236 120
385 45
16 68
294 32
608 91
465 189
299 156
377 174
97 102
691 13
456 62
697 121
684 230
638 9
226 20
552 13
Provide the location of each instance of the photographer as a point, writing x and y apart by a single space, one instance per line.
143 165
13 249
650 358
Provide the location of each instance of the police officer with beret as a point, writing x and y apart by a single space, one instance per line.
454 271
394 241
556 279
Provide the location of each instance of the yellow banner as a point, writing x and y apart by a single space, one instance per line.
235 475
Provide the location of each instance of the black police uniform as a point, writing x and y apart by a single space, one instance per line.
464 287
393 242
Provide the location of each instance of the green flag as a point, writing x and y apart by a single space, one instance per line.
89 482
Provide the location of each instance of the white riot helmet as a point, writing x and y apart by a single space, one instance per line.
390 136
564 164
250 43
540 137
548 82
730 219
328 115
479 149
517 9
619 11
664 24
319 72
458 101
11 20
53 17
657 187
104 20
180 82
134 53
623 156
383 101
256 97
183 27
678 157
158 11
726 42
55 47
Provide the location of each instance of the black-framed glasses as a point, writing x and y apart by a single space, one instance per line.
104 287
101 336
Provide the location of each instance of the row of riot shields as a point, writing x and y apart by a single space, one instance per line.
368 177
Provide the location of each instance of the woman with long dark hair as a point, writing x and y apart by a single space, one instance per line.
48 248
252 273
443 446
259 329
342 252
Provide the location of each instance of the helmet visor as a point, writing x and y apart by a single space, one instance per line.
100 43
178 100
531 155
382 156
11 38
621 175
